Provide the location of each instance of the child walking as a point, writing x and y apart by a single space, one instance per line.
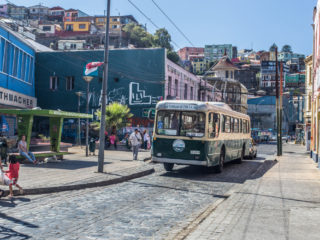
11 176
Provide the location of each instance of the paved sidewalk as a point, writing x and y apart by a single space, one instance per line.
282 204
77 171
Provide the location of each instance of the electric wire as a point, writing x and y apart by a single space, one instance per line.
149 19
173 23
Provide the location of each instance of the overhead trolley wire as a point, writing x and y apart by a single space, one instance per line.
149 19
173 23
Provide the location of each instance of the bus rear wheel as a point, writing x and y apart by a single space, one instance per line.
219 167
168 166
239 160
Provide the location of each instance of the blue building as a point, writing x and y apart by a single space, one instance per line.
17 71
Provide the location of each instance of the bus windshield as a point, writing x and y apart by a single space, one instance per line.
177 123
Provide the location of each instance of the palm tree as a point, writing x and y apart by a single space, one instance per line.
116 116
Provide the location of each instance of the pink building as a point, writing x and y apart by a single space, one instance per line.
183 85
185 52
4 10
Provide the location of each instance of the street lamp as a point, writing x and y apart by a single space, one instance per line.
79 94
88 79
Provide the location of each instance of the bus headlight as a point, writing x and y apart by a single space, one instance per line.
159 154
195 152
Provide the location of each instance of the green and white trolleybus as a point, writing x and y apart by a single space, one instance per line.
199 133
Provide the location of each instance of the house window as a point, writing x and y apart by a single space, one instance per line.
82 26
114 19
169 85
176 87
69 27
185 91
54 82
46 28
15 62
191 93
227 74
70 83
114 26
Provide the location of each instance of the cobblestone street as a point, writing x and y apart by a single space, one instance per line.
144 208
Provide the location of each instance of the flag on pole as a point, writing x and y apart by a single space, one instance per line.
92 68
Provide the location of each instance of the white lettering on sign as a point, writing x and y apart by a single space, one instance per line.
181 106
12 98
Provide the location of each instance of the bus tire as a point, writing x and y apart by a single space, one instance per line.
239 160
168 166
219 167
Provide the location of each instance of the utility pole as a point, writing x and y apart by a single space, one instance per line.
103 94
277 105
281 105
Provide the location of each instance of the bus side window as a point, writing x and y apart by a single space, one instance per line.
232 125
236 125
226 125
240 124
214 125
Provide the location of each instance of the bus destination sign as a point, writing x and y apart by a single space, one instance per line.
175 106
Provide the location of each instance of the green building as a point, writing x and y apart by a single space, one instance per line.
215 52
296 80
136 78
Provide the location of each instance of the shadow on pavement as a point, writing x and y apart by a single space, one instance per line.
66 164
17 221
232 173
7 233
11 202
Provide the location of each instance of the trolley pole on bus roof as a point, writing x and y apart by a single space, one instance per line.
103 93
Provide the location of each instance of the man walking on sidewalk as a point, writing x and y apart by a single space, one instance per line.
135 139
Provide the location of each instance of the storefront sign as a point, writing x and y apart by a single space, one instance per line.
15 99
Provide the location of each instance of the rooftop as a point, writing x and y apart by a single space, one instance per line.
224 63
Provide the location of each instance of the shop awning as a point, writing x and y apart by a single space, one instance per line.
44 113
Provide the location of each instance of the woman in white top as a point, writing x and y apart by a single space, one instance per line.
146 139
22 146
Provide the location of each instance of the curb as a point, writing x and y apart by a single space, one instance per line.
108 182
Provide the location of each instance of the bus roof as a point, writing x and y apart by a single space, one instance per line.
189 105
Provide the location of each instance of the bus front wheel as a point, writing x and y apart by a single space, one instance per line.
168 166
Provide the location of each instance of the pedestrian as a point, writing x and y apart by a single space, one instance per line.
22 146
146 139
135 139
10 178
92 146
113 139
3 149
2 180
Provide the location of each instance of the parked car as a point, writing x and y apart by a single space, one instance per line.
252 150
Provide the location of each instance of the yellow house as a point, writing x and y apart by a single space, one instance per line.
100 21
198 65
77 26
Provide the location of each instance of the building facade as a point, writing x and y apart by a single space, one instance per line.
19 12
268 75
17 66
308 101
185 52
215 52
38 12
56 14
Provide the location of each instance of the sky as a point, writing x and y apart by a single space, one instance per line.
246 24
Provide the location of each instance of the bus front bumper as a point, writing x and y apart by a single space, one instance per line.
179 161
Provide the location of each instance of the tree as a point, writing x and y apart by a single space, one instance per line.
138 36
286 48
116 115
273 48
162 38
173 56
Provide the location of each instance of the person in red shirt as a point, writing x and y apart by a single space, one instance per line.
13 174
